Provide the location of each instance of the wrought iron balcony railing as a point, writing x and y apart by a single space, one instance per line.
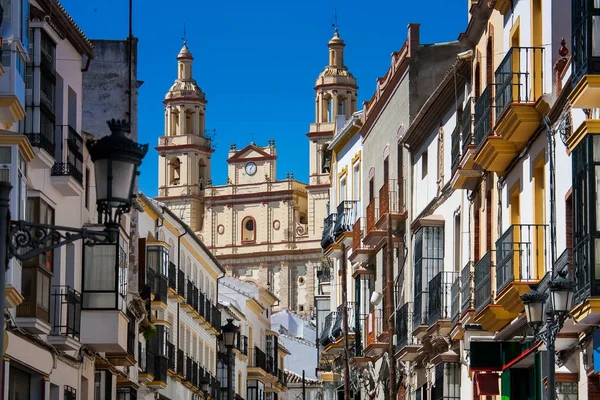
372 214
171 353
207 311
188 369
181 283
42 141
420 315
159 284
374 326
456 147
392 197
336 331
189 298
328 227
347 212
257 358
67 169
326 334
440 296
483 117
564 262
202 304
455 299
404 326
467 125
324 272
65 311
483 281
180 362
521 255
216 317
172 276
519 78
466 287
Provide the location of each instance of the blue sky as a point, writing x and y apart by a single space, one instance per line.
257 61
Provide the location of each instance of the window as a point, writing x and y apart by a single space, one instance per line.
424 164
447 382
19 384
343 188
248 231
341 109
386 169
356 182
371 189
174 171
39 211
585 39
428 261
566 391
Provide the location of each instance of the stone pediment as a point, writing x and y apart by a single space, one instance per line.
251 153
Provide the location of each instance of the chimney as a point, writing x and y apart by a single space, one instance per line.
413 39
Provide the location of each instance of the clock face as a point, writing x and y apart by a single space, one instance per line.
250 168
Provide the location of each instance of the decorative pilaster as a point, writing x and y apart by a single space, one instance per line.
284 284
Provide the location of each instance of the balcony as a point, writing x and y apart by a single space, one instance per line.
258 365
105 331
406 344
374 329
440 299
467 288
146 365
336 331
242 344
483 117
491 316
326 337
160 285
420 315
373 234
65 318
519 89
180 285
190 299
44 142
455 300
392 202
465 173
67 179
33 313
328 237
172 278
361 253
521 260
180 362
455 148
172 358
160 373
183 141
347 213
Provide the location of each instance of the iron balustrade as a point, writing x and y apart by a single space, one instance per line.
455 149
172 356
336 330
467 125
203 376
466 287
161 284
404 319
42 141
201 303
374 326
188 369
190 293
455 299
216 317
420 303
67 169
195 380
483 281
181 283
131 335
195 299
207 314
483 117
564 262
150 359
328 235
324 272
325 338
180 362
372 214
160 368
257 358
65 312
440 296
519 78
521 254
392 197
172 276
347 212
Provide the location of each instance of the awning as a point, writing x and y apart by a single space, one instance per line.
487 384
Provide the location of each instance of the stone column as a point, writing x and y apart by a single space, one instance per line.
46 388
284 284
310 286
182 128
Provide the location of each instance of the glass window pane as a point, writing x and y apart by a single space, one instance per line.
99 272
596 36
5 155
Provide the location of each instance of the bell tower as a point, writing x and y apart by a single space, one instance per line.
184 150
335 95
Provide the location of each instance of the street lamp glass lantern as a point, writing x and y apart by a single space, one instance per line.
229 332
561 292
116 161
535 306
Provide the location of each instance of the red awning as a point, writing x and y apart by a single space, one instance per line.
487 384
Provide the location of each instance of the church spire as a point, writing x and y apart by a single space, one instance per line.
336 51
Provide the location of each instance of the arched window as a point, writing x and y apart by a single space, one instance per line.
248 230
174 171
201 173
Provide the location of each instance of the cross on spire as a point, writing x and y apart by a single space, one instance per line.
335 19
184 38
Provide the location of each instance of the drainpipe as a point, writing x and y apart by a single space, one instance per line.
178 266
390 304
346 357
552 160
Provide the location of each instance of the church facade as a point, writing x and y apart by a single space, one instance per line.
262 230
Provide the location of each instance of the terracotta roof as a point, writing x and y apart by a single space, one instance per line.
293 377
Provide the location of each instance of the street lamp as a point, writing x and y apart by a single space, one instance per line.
116 161
227 339
561 295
